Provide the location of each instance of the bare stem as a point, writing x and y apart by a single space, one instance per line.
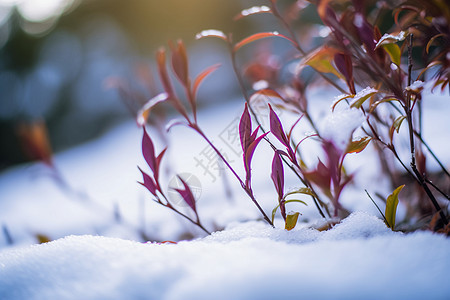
408 110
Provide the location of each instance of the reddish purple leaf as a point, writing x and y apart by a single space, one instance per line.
343 63
148 182
277 129
365 32
277 174
245 129
148 150
334 157
248 155
187 195
158 163
321 177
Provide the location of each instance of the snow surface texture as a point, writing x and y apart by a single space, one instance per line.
358 259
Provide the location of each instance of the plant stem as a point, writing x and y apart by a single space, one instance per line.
168 205
247 190
408 111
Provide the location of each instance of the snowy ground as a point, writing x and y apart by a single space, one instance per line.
96 202
358 259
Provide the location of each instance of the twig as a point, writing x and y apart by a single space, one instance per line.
419 177
384 217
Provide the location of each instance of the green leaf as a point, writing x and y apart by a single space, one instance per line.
391 207
274 211
291 220
394 53
362 96
303 190
358 145
396 126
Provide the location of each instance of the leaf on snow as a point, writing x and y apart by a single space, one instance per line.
394 53
211 33
390 39
362 96
252 11
291 220
144 112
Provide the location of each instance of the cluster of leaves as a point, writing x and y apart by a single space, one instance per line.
372 69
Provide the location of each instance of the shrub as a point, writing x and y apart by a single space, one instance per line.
379 55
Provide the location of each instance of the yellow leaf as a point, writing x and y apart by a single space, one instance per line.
391 207
291 220
321 60
358 145
394 53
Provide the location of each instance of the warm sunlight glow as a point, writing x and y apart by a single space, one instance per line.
38 10
41 10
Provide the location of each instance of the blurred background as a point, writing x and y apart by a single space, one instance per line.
56 57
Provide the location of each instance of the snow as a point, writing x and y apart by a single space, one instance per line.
358 259
99 217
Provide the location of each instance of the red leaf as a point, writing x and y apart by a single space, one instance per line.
35 141
180 63
148 150
187 195
258 36
245 128
199 79
148 182
161 59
